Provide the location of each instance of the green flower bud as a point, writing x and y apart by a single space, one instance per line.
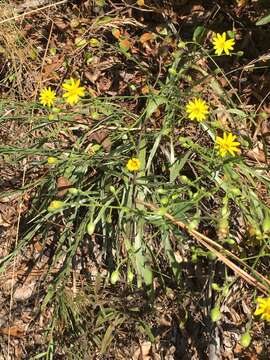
95 115
109 219
245 339
235 191
184 179
211 256
266 223
172 71
223 228
73 191
94 42
161 211
164 200
56 110
114 277
90 228
193 224
181 44
112 189
130 276
216 287
215 314
96 147
52 117
230 241
161 191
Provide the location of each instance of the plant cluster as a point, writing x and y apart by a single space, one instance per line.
143 189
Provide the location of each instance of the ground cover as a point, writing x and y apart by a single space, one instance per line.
134 158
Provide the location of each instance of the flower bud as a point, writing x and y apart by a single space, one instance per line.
211 256
109 219
245 339
216 287
223 228
114 277
161 211
55 205
112 189
215 314
266 223
130 276
193 224
91 228
73 191
52 160
164 200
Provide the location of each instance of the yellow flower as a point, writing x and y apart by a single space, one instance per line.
73 91
227 145
55 205
52 160
197 109
47 96
133 164
221 44
263 308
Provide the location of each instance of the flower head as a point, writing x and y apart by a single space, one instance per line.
227 144
133 164
55 205
197 109
51 160
73 91
221 44
263 308
47 96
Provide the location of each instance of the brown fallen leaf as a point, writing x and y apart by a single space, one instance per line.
24 292
49 68
15 331
63 184
143 351
256 154
101 137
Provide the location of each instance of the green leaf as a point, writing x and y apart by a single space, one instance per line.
153 104
198 34
265 20
237 112
178 166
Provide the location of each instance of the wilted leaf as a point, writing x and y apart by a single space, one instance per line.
116 33
124 44
15 331
147 37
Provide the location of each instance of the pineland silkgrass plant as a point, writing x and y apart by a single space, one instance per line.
141 189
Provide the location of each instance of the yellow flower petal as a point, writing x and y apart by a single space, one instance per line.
263 308
133 164
227 145
73 91
197 109
222 45
47 96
